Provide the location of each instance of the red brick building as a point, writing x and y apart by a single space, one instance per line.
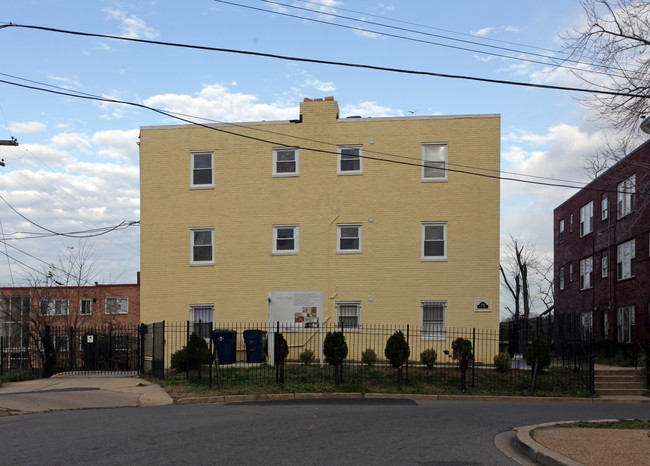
601 245
67 306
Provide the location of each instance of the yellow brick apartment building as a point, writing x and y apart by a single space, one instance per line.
384 217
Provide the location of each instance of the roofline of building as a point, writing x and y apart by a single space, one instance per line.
68 287
632 152
347 119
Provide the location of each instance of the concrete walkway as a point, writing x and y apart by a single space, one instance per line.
79 392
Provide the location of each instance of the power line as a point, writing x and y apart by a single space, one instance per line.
334 63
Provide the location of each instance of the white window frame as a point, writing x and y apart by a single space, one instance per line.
561 278
435 179
55 307
296 240
444 239
587 322
571 223
625 196
604 266
587 273
276 162
561 228
605 324
202 318
625 260
210 261
625 324
570 273
356 307
438 330
587 218
116 305
604 207
81 306
339 238
193 168
339 167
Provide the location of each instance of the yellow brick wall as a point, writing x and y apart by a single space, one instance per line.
388 277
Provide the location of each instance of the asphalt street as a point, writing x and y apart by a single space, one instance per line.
339 431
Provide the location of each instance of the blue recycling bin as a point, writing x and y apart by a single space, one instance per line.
225 345
255 340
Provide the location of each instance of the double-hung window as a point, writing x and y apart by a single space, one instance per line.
625 260
286 162
604 266
561 278
434 314
348 315
202 246
625 196
625 324
586 273
434 162
604 208
285 239
55 307
350 160
85 307
348 239
202 316
117 305
561 229
434 241
202 170
587 219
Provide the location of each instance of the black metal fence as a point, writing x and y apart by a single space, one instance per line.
261 354
53 350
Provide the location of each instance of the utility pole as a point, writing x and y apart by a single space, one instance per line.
11 142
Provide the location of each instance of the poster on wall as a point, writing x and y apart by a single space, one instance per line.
296 310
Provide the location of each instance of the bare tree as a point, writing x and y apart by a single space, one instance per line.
613 49
525 274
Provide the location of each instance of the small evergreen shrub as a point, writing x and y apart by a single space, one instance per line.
195 353
335 340
502 362
428 357
462 346
369 357
307 357
397 349
540 350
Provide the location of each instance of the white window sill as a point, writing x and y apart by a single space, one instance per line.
202 186
288 253
284 175
435 180
349 173
201 264
434 259
351 251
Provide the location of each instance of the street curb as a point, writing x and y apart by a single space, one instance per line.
538 452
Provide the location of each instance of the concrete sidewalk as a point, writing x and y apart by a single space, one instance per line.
79 392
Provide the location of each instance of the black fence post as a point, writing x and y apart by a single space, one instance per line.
187 350
2 356
407 357
463 371
474 352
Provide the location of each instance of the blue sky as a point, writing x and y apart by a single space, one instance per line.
76 168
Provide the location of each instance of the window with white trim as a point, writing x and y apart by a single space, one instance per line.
116 305
604 268
55 307
586 273
85 307
561 278
561 228
625 196
571 223
202 246
286 162
570 273
348 239
587 322
15 317
434 162
625 260
587 218
625 324
604 209
202 171
202 316
434 315
348 314
285 239
605 324
434 241
350 160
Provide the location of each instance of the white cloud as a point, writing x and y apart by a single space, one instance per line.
367 109
119 145
72 142
27 127
132 26
483 32
321 86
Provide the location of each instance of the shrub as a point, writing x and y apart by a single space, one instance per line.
397 349
539 349
335 340
283 350
195 353
429 357
462 346
502 362
307 357
369 357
